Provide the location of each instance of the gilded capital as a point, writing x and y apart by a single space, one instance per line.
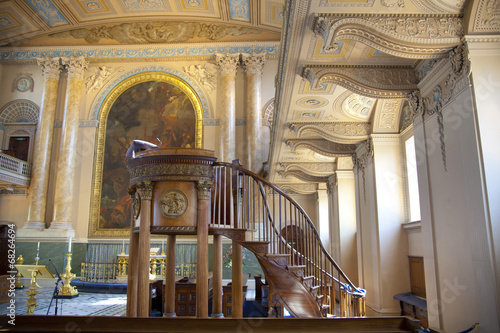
228 63
204 187
51 67
145 190
76 66
254 63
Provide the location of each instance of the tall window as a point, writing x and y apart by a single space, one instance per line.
412 177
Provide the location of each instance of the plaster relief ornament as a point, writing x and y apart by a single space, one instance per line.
173 203
99 76
155 32
205 74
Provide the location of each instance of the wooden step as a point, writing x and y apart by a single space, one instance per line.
307 281
237 235
257 247
281 260
314 290
298 270
319 299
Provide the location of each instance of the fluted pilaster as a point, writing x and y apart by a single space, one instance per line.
40 171
63 201
228 65
254 64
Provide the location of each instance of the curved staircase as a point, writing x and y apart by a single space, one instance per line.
302 276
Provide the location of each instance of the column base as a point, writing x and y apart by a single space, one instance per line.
40 226
52 234
170 315
217 315
61 225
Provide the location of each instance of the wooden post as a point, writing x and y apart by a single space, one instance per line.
143 293
217 311
132 260
203 218
170 278
237 273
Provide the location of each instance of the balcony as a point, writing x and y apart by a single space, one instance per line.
14 173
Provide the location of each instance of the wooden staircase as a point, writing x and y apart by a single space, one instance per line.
301 274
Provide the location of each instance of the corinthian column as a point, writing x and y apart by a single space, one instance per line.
39 185
253 68
63 201
228 65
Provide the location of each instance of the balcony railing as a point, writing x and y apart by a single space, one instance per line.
14 170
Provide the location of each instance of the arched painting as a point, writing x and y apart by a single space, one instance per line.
164 112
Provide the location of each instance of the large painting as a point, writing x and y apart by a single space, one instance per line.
164 112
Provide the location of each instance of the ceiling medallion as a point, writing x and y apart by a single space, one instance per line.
312 102
173 203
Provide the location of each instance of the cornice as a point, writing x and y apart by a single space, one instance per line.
312 168
303 176
300 188
342 132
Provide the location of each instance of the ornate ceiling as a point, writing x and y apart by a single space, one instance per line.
345 69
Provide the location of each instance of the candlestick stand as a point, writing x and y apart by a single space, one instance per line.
67 290
19 282
31 303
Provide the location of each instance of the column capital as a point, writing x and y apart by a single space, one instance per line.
51 67
146 190
204 187
228 63
76 66
331 184
253 62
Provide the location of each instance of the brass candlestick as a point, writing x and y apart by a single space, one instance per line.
31 303
67 290
19 282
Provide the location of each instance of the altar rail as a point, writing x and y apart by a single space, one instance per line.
99 272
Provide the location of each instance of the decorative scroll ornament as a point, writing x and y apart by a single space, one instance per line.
413 36
145 190
51 67
204 188
343 132
136 202
173 203
369 81
254 63
228 63
322 146
155 32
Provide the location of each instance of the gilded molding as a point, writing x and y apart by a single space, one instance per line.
253 63
51 67
228 63
412 36
369 81
204 188
322 146
145 190
342 132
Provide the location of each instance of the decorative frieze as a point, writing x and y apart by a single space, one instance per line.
412 36
343 132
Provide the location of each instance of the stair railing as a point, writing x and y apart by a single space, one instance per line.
244 200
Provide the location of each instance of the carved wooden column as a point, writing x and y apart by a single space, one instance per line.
63 201
43 145
143 294
203 187
253 68
170 278
217 311
228 65
132 279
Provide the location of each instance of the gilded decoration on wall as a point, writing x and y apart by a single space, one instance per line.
173 203
152 106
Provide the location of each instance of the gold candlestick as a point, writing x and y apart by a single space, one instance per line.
19 282
67 291
31 303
